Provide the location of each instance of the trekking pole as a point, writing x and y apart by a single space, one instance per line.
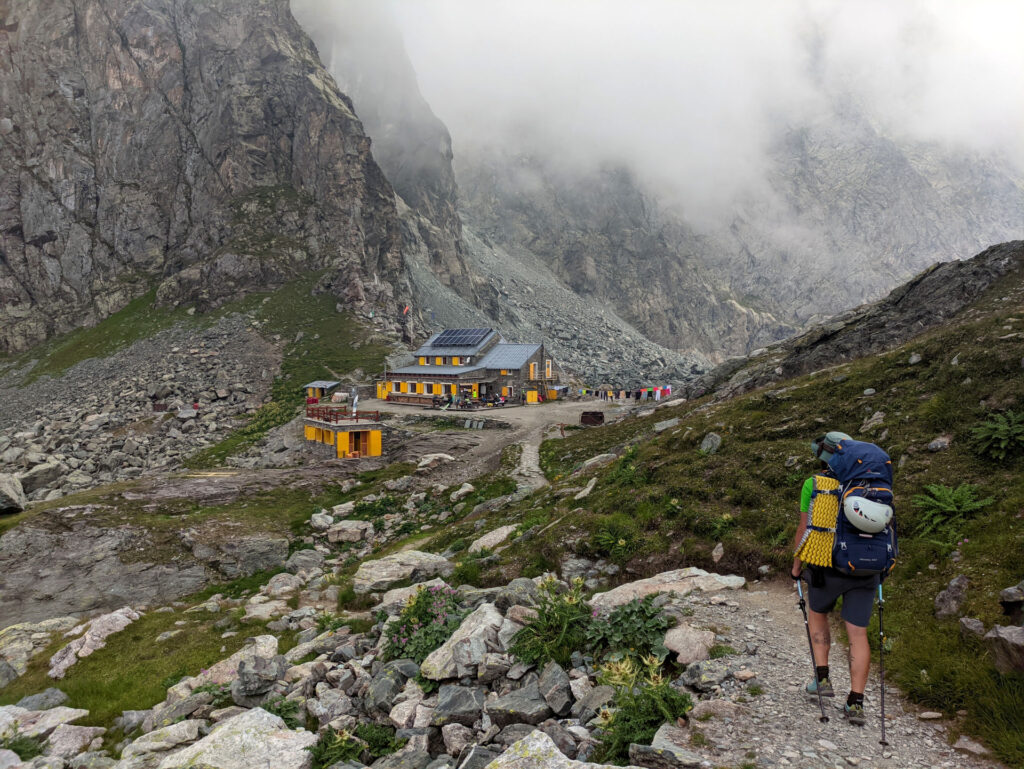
810 644
881 658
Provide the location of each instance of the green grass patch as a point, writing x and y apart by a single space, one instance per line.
134 671
139 319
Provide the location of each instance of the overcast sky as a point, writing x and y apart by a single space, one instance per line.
686 91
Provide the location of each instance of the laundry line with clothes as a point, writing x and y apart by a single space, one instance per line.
637 394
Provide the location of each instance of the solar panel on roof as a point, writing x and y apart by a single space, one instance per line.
461 337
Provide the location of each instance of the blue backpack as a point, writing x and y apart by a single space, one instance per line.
864 472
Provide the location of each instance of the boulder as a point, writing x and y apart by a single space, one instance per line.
304 560
538 751
386 685
585 492
1012 601
282 585
8 758
971 626
7 673
492 539
226 671
554 688
39 723
393 601
519 592
590 704
668 750
689 644
668 424
12 495
40 477
680 581
67 741
167 738
458 705
520 706
705 676
383 573
949 601
1006 643
350 531
44 700
456 738
256 677
321 521
94 638
329 705
464 650
254 738
711 443
462 492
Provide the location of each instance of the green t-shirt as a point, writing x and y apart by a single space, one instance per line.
805 495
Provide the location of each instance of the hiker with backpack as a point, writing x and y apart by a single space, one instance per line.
844 546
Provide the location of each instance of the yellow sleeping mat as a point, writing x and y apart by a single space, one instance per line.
816 547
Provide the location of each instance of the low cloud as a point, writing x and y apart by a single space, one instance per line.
691 94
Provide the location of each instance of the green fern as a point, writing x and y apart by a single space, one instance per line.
1001 436
945 509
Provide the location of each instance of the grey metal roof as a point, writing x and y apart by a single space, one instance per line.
426 350
508 356
425 372
322 383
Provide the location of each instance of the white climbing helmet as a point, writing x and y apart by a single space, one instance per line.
866 514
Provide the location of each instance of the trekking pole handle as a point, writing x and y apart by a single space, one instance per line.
881 599
800 589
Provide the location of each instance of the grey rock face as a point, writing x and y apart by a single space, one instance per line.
1006 643
925 301
554 688
255 679
191 171
50 698
949 601
524 706
706 675
458 705
12 494
711 443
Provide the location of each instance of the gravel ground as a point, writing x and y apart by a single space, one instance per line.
782 727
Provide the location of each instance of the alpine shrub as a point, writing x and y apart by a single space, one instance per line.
1001 436
333 747
616 542
426 622
286 710
558 629
380 740
635 629
27 748
221 693
643 701
943 509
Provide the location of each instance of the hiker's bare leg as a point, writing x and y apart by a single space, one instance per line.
860 657
820 638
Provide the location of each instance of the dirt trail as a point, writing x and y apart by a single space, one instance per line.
528 426
781 726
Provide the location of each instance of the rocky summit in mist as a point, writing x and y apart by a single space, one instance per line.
202 151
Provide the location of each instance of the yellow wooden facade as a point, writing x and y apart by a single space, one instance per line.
347 443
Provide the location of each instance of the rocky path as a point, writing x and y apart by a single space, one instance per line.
781 727
528 472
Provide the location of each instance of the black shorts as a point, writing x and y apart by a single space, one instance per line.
858 594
